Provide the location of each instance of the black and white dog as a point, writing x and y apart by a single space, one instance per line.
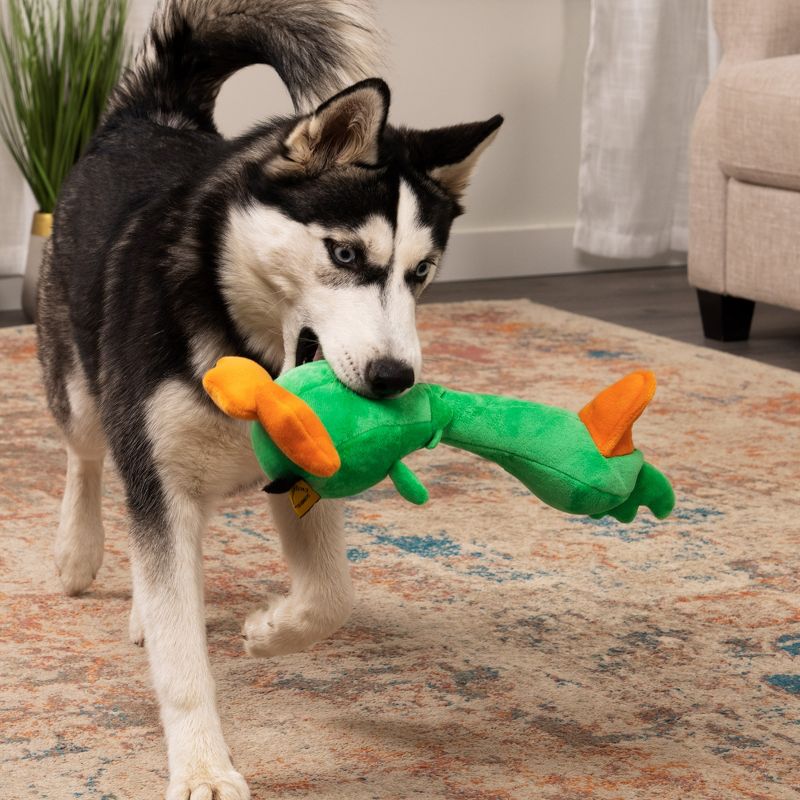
173 247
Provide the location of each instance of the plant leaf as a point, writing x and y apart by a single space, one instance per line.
60 61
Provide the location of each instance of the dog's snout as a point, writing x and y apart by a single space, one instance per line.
388 376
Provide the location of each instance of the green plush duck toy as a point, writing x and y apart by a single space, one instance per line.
314 438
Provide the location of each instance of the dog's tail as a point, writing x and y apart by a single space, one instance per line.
318 47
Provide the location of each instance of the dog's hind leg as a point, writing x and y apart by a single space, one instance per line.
79 540
321 596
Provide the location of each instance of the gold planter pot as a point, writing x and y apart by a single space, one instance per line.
40 233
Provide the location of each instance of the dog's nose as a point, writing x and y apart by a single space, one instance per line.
388 376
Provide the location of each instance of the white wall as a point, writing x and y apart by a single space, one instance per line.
462 60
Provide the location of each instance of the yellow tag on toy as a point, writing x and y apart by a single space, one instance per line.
303 498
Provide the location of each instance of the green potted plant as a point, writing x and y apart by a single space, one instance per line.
60 59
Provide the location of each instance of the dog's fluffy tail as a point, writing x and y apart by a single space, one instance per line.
317 47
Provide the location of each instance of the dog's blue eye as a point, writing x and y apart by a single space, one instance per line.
423 268
344 255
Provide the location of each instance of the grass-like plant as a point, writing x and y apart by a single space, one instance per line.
61 59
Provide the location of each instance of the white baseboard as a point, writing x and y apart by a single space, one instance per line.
519 252
10 292
486 254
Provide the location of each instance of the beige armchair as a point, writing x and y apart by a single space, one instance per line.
744 217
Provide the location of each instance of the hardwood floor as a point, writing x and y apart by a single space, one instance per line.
655 300
9 318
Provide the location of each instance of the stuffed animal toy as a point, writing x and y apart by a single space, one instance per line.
314 437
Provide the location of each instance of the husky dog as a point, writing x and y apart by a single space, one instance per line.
310 235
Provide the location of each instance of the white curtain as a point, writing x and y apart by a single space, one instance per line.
646 71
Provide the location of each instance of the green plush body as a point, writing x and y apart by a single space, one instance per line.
548 449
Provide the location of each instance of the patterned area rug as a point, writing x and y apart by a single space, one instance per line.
498 649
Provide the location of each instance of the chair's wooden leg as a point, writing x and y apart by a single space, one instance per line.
725 318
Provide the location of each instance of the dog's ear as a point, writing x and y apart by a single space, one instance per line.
346 129
449 155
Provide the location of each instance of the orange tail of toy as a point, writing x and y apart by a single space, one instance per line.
610 416
244 390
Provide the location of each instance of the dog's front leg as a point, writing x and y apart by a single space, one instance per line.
321 596
167 572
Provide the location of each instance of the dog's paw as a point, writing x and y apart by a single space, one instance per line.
78 552
78 546
287 625
77 566
135 627
208 783
272 630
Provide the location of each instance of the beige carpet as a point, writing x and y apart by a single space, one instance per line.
498 649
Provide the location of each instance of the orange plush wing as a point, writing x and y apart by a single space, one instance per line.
297 430
233 385
244 390
610 416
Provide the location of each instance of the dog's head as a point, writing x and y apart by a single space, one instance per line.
342 225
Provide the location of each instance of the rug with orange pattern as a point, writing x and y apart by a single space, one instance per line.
498 648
